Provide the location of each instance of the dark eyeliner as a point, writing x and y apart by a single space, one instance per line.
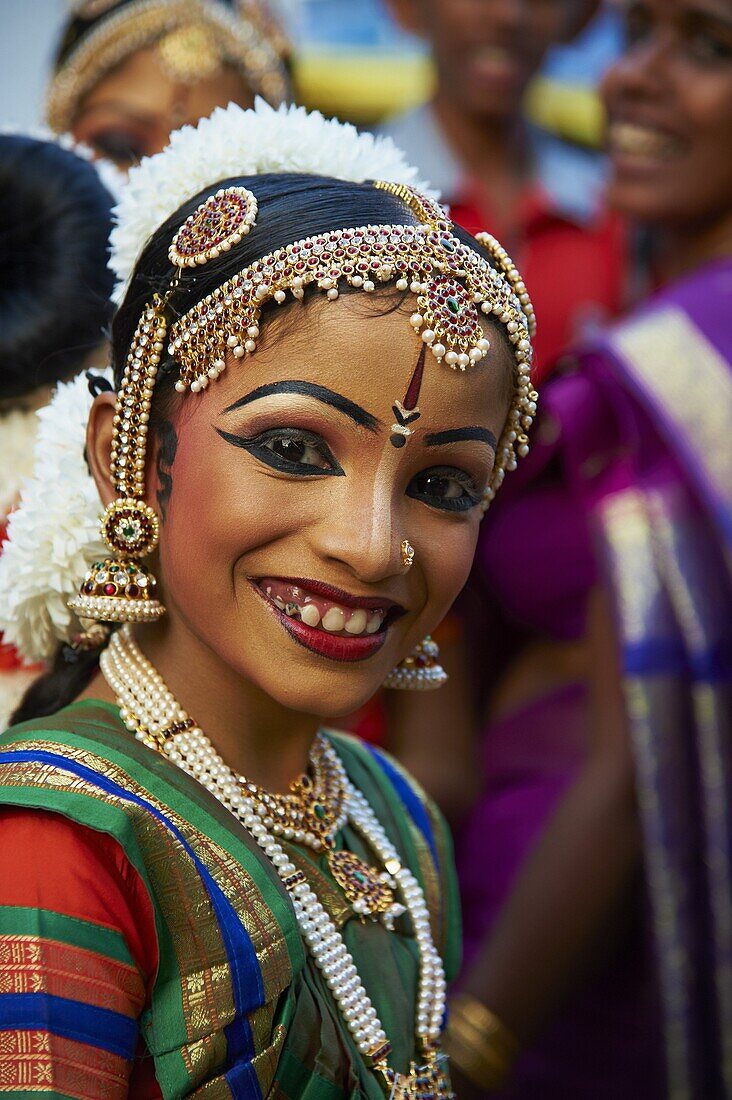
256 447
446 504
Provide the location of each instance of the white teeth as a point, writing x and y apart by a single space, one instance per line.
374 622
357 622
279 603
310 615
334 620
631 138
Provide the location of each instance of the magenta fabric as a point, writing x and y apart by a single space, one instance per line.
606 1043
602 432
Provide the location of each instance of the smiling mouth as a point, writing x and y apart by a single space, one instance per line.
647 142
327 620
495 61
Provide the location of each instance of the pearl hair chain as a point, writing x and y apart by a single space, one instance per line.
150 710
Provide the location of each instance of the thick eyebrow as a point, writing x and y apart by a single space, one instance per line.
320 393
456 435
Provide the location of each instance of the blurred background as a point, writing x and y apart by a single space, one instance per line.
350 57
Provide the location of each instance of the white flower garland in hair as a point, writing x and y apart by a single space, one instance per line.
17 438
238 142
53 535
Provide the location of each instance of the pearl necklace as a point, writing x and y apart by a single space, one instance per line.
150 710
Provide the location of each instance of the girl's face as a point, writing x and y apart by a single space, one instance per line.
669 102
131 112
284 503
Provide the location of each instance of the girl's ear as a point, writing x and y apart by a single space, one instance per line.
99 444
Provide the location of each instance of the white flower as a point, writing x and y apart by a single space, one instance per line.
237 142
53 536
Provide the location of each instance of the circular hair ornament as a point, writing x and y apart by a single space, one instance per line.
218 223
130 527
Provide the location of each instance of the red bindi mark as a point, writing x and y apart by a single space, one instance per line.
415 384
407 411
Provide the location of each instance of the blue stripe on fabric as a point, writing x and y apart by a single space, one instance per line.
411 800
243 1082
666 657
85 1023
246 976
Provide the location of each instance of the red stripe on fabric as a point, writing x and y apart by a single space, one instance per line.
32 964
38 1061
80 872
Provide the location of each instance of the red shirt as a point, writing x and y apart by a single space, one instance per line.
574 271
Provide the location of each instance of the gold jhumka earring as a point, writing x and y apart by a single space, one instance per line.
120 589
420 671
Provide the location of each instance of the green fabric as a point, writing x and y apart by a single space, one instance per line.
302 1047
16 920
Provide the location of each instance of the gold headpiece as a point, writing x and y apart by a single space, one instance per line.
194 37
453 285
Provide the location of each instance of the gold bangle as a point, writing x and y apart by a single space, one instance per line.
479 1044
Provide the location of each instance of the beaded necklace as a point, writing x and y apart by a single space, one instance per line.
150 710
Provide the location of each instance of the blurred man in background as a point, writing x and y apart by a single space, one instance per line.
539 194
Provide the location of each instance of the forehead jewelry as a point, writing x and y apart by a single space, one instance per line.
407 552
453 284
193 39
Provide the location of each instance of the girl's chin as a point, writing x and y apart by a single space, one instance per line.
327 701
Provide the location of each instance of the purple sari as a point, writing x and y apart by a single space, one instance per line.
630 482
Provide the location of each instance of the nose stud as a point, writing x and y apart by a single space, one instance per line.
407 552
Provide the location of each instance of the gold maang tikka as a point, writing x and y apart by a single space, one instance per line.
453 285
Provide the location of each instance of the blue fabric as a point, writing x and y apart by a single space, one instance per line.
90 1024
412 802
243 1082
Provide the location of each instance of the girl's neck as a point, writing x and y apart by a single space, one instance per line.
682 250
493 152
257 737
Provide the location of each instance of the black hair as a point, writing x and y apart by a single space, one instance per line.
55 219
291 207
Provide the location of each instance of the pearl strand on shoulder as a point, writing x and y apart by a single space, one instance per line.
149 709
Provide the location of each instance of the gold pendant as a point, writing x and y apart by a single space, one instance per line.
370 892
426 1081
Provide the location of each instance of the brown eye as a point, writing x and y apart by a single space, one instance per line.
447 488
291 450
299 452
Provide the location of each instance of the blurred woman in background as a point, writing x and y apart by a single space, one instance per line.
605 647
129 72
55 219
